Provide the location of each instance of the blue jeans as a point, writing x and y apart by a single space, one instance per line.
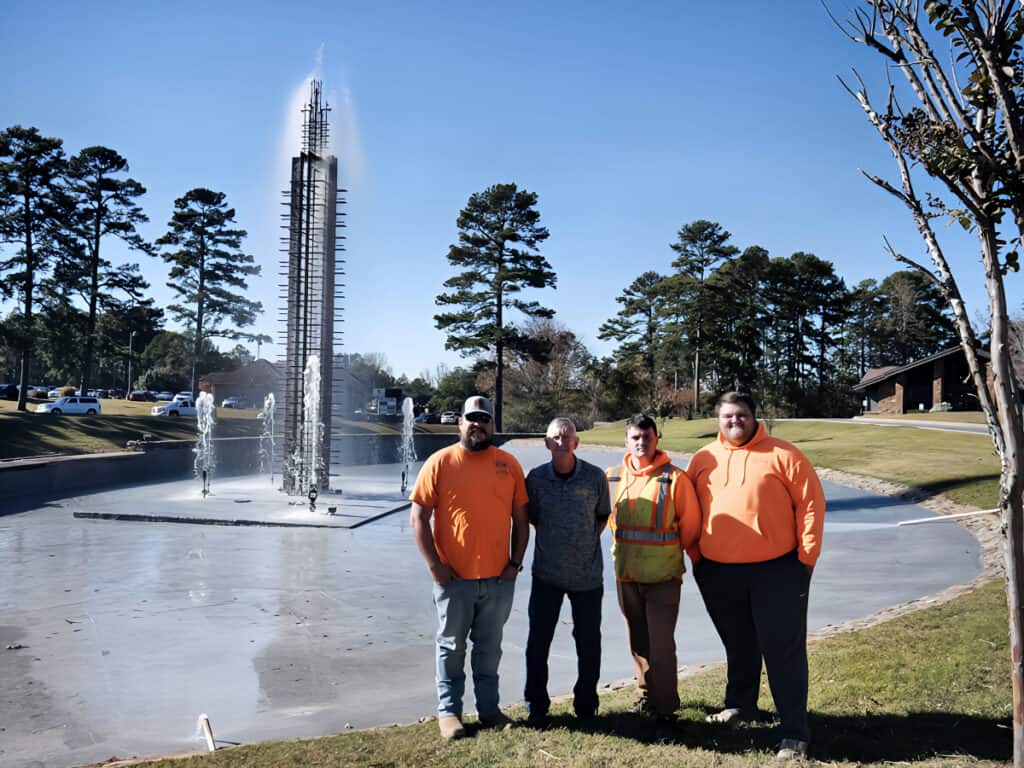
545 605
473 609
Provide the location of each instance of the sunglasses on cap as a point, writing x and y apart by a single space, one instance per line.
478 418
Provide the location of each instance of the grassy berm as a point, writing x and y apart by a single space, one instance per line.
28 434
928 689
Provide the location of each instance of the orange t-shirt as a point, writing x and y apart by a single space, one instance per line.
472 494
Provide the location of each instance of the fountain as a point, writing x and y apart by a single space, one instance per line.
267 436
312 285
312 426
407 451
205 410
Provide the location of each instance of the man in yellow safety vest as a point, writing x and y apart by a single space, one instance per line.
655 517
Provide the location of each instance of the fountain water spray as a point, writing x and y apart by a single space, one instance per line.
205 410
408 447
312 428
267 437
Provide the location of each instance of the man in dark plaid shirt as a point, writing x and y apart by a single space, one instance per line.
569 509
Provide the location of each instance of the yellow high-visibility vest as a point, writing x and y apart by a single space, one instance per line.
646 547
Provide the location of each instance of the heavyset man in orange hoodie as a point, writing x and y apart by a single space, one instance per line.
762 515
654 518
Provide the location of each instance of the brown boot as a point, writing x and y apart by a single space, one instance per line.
451 727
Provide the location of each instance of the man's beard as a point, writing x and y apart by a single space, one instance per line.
473 442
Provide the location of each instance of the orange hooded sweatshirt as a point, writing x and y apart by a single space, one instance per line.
758 501
683 501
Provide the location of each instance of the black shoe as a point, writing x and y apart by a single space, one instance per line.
665 728
641 706
538 720
498 721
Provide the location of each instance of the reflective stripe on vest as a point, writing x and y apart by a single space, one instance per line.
649 537
663 483
646 537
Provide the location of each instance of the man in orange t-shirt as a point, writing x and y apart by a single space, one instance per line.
476 494
762 516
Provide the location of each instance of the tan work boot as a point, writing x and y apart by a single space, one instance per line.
451 727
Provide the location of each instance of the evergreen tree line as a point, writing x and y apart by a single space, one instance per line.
787 329
78 317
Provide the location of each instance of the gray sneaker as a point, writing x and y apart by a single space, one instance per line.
791 749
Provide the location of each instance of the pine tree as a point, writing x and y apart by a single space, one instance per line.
30 170
499 236
102 204
701 246
209 270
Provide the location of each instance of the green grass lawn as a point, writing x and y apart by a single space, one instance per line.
929 689
960 466
25 434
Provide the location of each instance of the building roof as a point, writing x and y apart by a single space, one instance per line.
878 375
257 372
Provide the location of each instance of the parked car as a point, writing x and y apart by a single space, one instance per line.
8 391
163 397
182 396
90 406
116 394
235 402
140 396
175 408
449 417
54 393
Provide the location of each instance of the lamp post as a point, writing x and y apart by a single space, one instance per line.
128 390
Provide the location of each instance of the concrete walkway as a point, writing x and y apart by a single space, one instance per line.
941 426
115 636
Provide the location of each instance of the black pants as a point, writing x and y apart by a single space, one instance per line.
760 610
545 605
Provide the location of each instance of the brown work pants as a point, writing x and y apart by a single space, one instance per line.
650 611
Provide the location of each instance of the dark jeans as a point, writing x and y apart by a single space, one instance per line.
545 605
760 610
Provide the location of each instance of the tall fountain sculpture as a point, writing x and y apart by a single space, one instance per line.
313 309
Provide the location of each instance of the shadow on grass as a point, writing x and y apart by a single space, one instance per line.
870 738
914 495
937 488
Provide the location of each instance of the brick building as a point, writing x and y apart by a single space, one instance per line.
921 385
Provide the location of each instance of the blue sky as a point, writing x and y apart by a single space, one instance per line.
628 121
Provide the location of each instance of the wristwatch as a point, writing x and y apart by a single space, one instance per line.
517 566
